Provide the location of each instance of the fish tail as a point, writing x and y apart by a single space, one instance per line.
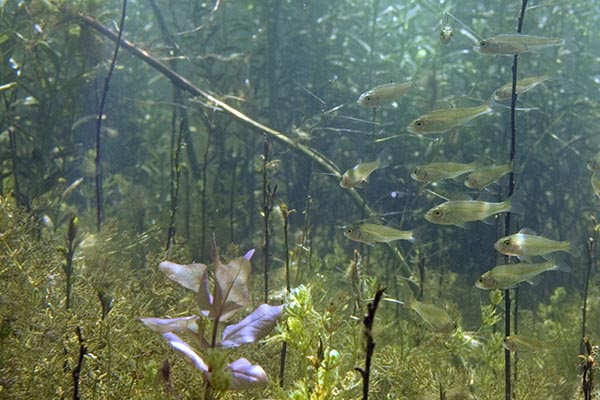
515 205
490 102
574 249
416 236
557 263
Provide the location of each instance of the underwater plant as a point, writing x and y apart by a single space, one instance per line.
230 294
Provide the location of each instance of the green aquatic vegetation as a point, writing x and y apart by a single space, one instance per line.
230 295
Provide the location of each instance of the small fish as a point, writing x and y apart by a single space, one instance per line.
437 171
524 343
446 34
360 173
373 233
457 212
383 94
487 174
526 243
440 121
508 276
511 44
434 316
504 92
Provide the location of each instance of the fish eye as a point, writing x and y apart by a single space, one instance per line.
349 230
368 98
507 242
437 213
482 43
419 123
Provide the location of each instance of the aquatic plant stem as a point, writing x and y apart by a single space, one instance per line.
98 160
176 143
285 213
77 370
511 189
68 254
267 207
368 321
590 245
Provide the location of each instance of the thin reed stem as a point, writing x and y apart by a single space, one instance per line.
98 160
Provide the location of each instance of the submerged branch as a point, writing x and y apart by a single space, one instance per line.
186 85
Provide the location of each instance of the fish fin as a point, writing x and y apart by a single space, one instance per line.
516 207
491 220
535 280
574 250
528 231
558 260
383 158
491 102
462 226
417 235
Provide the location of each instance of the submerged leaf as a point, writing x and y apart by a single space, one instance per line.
246 376
231 285
164 325
252 328
189 276
188 352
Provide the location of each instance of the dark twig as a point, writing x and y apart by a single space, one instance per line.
368 321
285 213
511 189
587 368
99 125
267 207
590 245
77 370
68 254
175 176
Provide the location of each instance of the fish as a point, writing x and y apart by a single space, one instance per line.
457 212
437 171
444 120
526 243
508 276
434 316
510 44
487 174
504 92
360 173
383 94
374 233
525 343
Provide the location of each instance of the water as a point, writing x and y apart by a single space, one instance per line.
181 164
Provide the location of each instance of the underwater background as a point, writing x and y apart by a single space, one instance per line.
231 125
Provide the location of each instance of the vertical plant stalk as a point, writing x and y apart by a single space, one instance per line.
267 207
176 143
77 370
587 369
590 245
203 190
285 213
98 160
368 321
511 189
68 254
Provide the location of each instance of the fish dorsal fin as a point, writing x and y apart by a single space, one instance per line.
528 231
461 196
483 160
